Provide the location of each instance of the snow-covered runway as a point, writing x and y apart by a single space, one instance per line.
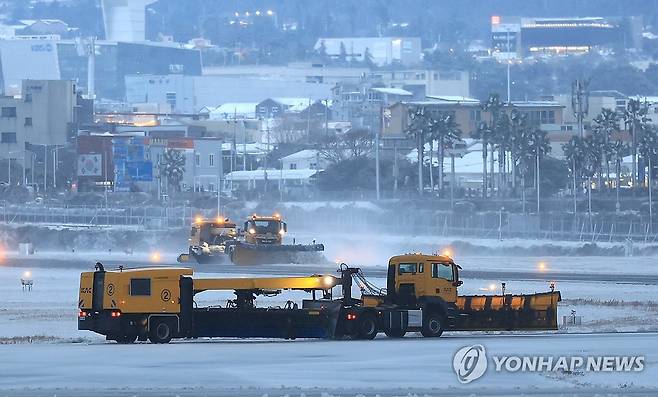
380 364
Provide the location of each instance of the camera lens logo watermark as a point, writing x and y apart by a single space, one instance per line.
470 363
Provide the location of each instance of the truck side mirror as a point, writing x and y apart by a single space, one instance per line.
457 283
285 227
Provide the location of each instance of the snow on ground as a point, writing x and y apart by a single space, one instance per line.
379 364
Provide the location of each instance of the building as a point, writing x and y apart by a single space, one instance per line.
26 28
54 59
467 113
234 111
125 20
363 104
135 162
303 160
598 100
423 82
289 182
43 116
383 51
189 94
296 72
513 37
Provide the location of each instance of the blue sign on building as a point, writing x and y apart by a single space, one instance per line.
131 163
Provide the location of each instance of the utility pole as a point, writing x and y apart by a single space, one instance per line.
580 102
219 179
650 200
377 132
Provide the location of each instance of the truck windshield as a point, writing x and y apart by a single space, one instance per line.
263 227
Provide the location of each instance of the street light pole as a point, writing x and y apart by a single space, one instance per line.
509 91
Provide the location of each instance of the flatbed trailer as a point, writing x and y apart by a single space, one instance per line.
158 304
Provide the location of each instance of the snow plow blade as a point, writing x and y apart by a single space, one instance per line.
508 312
257 254
201 259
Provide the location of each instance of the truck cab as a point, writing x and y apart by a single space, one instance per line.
414 280
268 230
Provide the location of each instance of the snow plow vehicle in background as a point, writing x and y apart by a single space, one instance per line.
259 242
209 240
262 243
421 296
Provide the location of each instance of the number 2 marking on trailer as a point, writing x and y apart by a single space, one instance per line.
110 289
165 295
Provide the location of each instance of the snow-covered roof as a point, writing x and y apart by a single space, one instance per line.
259 175
294 104
392 91
228 110
470 163
455 99
301 155
528 104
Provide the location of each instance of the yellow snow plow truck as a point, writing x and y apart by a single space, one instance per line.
209 240
421 296
262 243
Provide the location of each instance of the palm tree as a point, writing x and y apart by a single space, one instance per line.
605 124
418 128
502 140
173 167
494 106
647 145
535 145
446 132
574 151
591 164
635 119
518 125
618 150
483 133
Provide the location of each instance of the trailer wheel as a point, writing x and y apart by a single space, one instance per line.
433 324
126 339
367 327
160 332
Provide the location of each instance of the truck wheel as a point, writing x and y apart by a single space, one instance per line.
126 339
160 332
395 333
367 327
433 324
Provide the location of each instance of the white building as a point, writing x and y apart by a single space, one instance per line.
125 20
286 180
384 50
304 160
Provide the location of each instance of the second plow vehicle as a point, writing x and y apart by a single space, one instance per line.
259 241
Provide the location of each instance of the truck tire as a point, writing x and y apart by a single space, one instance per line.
433 325
160 332
367 327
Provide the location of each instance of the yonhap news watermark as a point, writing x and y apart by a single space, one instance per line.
471 363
